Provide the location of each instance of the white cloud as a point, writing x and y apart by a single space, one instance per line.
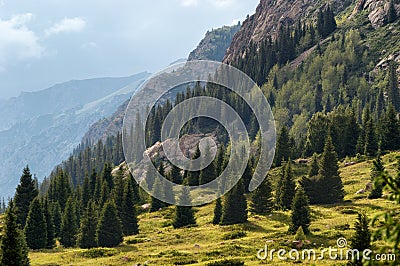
17 42
215 3
67 25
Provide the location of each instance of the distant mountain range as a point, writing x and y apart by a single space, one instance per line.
42 128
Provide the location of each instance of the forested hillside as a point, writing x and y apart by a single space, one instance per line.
330 72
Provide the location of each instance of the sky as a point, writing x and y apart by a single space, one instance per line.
44 42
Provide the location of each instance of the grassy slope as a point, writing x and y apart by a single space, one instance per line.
159 244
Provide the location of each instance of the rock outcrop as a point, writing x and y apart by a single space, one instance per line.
377 11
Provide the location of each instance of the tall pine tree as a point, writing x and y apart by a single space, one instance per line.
36 228
184 215
69 224
235 206
24 195
109 228
262 201
87 231
300 216
13 249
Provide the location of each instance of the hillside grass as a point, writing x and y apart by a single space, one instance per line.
159 244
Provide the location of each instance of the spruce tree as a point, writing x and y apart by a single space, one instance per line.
24 195
176 176
57 218
371 142
362 237
50 228
390 130
391 13
36 228
109 228
235 206
377 170
329 182
86 192
194 176
13 248
158 190
282 147
287 189
217 211
262 201
314 167
107 176
300 216
184 215
207 174
87 231
393 87
128 214
69 224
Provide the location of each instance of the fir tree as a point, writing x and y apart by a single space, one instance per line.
393 87
184 215
107 176
362 238
194 176
176 176
318 99
128 214
371 142
109 228
57 218
69 224
24 195
286 190
282 147
207 174
13 249
235 206
377 170
158 191
300 216
314 167
261 201
36 228
87 231
391 13
86 191
330 184
217 211
390 130
50 228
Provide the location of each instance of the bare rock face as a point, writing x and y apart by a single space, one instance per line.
377 11
269 16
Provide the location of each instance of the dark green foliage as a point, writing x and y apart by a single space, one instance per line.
59 188
377 170
393 87
235 206
184 215
329 182
13 249
69 224
227 262
36 228
194 176
300 216
87 231
50 228
217 211
106 175
391 13
362 237
109 228
207 174
390 130
57 219
314 167
261 200
326 23
175 175
158 189
318 99
128 214
286 188
24 195
371 142
282 147
86 191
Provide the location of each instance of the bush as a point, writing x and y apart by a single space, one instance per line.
234 235
98 253
184 261
135 241
227 262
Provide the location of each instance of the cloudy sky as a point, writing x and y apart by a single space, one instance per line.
43 42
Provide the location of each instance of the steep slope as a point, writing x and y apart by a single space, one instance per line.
269 15
215 43
43 136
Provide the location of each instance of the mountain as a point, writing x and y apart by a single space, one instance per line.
42 128
213 46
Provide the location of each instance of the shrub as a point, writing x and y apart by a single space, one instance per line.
98 253
227 262
234 235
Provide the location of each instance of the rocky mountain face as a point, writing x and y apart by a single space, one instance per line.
215 43
42 128
270 14
377 10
